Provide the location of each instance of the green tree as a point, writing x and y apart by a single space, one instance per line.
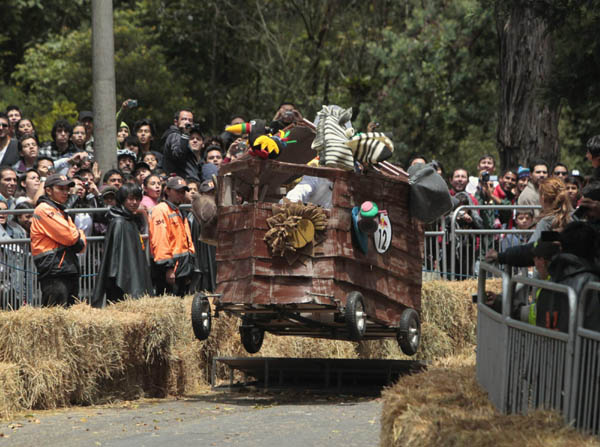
438 82
60 70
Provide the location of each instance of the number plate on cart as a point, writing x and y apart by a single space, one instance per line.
383 235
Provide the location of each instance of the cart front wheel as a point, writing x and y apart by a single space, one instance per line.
355 316
409 332
201 318
252 338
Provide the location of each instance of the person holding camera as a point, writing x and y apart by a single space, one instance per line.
286 114
178 157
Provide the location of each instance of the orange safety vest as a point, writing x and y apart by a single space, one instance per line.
55 240
171 239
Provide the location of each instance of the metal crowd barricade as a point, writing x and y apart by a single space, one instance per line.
585 396
492 337
539 360
527 367
469 246
434 256
18 275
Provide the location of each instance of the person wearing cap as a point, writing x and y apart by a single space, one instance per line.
122 133
108 194
522 180
87 118
55 242
171 241
126 161
178 156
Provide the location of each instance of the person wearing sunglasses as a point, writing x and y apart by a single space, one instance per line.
9 151
561 171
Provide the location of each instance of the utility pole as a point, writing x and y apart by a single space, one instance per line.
104 94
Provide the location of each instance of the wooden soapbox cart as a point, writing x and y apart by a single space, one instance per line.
337 291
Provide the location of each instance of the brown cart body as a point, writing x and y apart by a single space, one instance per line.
308 298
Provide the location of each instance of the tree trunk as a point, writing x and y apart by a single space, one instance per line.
528 125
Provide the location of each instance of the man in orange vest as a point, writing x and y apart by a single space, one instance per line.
171 241
55 242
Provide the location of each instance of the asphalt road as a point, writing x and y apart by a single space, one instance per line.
214 419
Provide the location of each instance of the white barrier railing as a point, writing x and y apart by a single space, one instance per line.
525 367
468 246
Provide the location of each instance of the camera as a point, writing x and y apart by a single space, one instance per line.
132 103
288 116
242 145
485 177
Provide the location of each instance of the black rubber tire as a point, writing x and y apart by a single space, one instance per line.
201 317
355 316
252 338
409 332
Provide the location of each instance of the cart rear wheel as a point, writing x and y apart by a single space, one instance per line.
355 316
201 318
252 338
409 332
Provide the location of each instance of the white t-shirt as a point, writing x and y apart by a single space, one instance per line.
315 190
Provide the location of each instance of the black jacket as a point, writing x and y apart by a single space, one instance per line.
11 156
178 158
552 308
518 256
124 263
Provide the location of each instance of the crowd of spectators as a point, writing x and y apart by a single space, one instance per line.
168 169
62 174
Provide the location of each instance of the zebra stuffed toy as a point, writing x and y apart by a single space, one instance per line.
371 148
338 148
332 137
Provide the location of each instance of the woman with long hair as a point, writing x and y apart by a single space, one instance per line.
24 126
30 188
557 211
152 191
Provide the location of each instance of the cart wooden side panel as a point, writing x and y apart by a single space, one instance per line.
390 282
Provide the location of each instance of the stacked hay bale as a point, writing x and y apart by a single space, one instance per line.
444 406
59 357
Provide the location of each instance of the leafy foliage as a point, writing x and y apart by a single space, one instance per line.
438 76
426 70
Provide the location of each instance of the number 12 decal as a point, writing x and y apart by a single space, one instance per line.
383 235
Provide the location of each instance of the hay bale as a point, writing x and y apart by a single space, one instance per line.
11 389
445 406
146 346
